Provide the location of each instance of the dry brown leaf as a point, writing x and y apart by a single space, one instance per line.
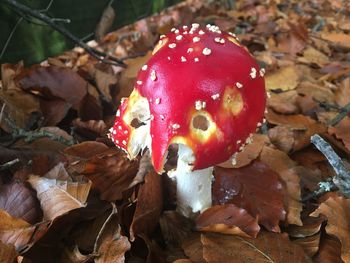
90 107
20 202
55 201
282 137
267 247
262 199
8 253
86 149
342 93
54 82
282 164
329 250
309 244
149 206
339 39
110 171
284 102
249 153
175 227
113 244
73 255
8 74
105 23
194 248
316 92
128 76
286 78
342 131
20 107
337 210
295 122
15 231
314 56
96 127
228 219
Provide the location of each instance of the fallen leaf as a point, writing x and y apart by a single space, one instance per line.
279 162
8 253
149 206
8 74
295 122
18 232
105 23
113 244
286 78
228 219
342 93
90 107
309 244
110 171
249 153
244 188
54 82
282 137
20 202
336 209
342 131
194 248
175 227
19 107
314 56
91 128
329 250
267 247
339 39
284 102
54 199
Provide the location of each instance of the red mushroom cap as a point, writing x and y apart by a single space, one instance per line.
204 90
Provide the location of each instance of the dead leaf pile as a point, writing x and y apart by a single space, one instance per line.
67 194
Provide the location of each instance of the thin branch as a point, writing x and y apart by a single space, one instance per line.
341 180
8 165
344 111
10 37
101 56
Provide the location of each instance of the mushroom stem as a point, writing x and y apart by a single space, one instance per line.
193 188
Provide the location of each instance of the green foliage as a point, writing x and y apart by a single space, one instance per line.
33 42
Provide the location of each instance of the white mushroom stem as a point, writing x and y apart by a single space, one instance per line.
193 187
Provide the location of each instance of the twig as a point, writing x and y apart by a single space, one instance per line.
344 111
8 165
341 180
30 136
101 56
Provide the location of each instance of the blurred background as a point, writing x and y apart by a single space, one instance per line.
32 41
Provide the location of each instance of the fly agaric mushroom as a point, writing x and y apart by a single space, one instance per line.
202 91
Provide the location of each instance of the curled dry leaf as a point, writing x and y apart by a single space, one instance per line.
110 171
249 153
336 208
54 82
175 227
295 122
282 137
244 187
329 250
113 244
193 248
8 253
54 197
284 102
90 107
283 165
73 255
8 74
149 206
286 78
342 131
95 127
267 247
342 94
309 244
20 202
18 232
338 39
228 219
19 107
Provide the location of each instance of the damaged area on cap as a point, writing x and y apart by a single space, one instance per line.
131 131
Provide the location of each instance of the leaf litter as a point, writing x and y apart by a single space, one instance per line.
87 202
